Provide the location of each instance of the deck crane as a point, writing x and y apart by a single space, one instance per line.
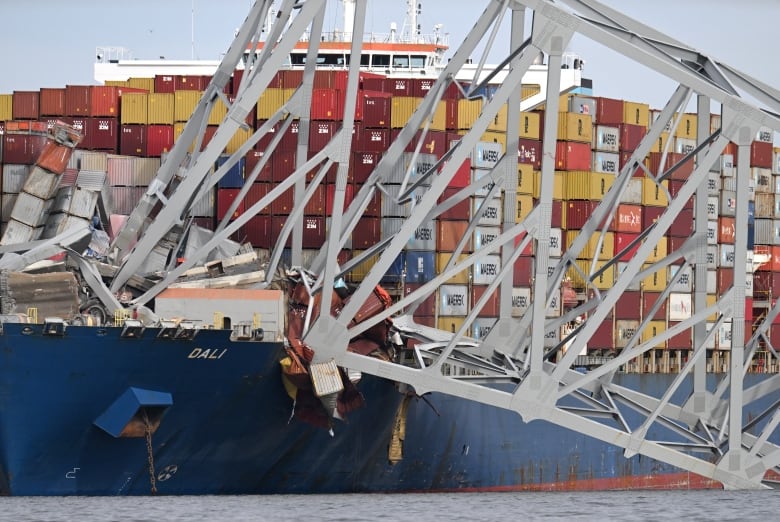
511 367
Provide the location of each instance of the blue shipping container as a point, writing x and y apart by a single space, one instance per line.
420 266
233 178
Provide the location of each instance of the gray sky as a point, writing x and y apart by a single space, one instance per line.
50 43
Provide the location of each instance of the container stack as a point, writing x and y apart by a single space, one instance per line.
129 126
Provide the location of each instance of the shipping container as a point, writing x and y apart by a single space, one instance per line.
52 101
26 105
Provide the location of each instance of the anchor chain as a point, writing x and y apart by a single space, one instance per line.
150 453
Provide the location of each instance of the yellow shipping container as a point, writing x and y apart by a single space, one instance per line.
116 83
271 100
526 91
660 143
451 324
134 108
559 184
439 121
584 184
591 249
654 195
401 109
653 329
142 83
687 127
660 250
6 106
468 112
462 277
361 271
495 137
525 178
238 139
655 282
573 126
636 113
711 298
161 108
529 125
499 120
218 112
603 281
184 104
525 204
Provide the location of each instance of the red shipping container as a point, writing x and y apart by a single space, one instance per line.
52 101
603 337
282 205
103 133
461 211
726 229
320 134
765 284
188 83
374 84
132 140
681 341
628 218
275 231
225 198
556 218
648 302
448 234
650 215
725 279
104 101
159 139
258 231
253 157
373 140
523 271
628 305
398 86
682 172
609 111
54 157
367 232
682 226
287 79
363 164
77 100
421 86
22 149
491 306
427 306
283 165
327 104
256 192
630 136
376 110
578 212
774 263
313 232
164 83
530 151
761 154
25 105
462 177
289 140
316 205
330 194
622 240
208 133
374 208
570 155
529 249
435 142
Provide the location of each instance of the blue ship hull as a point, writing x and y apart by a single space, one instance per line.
227 428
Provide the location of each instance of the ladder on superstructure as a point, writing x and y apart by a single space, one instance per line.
715 441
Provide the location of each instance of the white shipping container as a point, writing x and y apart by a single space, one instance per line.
8 201
765 206
625 329
712 340
724 336
423 237
14 177
765 134
777 183
749 284
482 326
145 170
83 203
521 300
62 200
636 285
484 236
93 160
712 208
605 162
712 257
712 232
41 183
552 338
583 105
390 205
685 283
726 255
633 193
684 145
486 154
453 300
713 183
728 203
478 174
91 179
556 240
680 306
712 281
491 213
606 138
763 179
120 171
486 269
764 231
30 210
16 232
726 164
554 310
776 162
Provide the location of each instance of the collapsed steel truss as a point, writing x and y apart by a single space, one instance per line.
710 438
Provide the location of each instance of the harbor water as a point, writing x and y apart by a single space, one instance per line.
709 505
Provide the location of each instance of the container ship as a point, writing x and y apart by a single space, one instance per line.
147 352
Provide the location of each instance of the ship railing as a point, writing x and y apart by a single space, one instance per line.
442 39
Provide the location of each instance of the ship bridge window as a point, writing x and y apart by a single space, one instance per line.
400 62
322 59
418 61
380 60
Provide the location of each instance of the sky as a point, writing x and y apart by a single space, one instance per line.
50 43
